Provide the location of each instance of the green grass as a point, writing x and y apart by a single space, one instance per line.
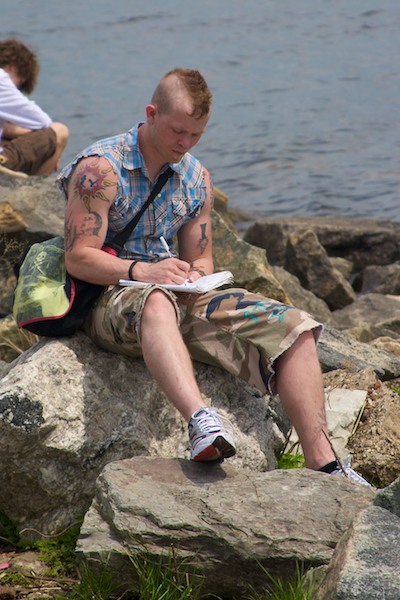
58 553
290 461
159 578
299 587
165 578
92 585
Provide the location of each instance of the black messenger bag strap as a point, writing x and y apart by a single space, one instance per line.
118 241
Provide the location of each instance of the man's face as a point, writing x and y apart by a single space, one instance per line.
176 132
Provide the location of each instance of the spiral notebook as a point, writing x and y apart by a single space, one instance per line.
202 285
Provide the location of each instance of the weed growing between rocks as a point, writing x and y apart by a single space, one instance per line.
92 585
167 579
290 461
12 347
301 587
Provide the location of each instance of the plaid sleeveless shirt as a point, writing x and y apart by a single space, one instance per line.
180 200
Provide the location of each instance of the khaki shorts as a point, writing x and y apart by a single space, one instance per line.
242 332
28 152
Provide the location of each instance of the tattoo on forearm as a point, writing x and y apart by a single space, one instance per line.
203 241
90 226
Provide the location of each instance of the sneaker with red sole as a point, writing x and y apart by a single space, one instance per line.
208 437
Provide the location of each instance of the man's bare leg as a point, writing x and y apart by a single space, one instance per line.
53 163
300 388
167 356
168 360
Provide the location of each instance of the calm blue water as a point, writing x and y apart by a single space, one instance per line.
306 92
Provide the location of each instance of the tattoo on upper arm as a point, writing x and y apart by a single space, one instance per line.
91 182
203 241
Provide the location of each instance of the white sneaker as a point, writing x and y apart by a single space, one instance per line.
351 475
208 437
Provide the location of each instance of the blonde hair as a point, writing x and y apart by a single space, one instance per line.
193 85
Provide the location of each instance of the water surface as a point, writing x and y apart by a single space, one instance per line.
306 92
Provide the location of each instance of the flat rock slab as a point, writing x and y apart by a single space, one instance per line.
220 518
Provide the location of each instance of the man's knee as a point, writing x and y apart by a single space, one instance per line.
158 306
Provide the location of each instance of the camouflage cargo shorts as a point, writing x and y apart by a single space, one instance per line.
242 332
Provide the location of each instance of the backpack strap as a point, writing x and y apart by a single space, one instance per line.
118 241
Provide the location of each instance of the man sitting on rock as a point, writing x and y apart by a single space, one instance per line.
30 143
270 345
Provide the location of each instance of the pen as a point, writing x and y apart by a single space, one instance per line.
165 246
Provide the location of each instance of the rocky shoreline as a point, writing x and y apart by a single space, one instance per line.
54 400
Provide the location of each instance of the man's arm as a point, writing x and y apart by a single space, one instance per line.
91 192
17 109
195 238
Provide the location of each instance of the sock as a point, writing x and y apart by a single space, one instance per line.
330 467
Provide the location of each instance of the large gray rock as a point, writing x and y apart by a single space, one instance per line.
302 298
368 333
389 498
338 350
371 309
247 263
381 279
308 260
67 409
362 241
38 200
366 563
220 518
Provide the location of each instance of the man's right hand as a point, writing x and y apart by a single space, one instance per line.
169 270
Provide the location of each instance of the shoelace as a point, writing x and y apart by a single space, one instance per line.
210 420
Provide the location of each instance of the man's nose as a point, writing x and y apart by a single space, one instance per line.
186 142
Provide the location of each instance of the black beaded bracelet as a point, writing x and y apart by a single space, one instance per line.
133 263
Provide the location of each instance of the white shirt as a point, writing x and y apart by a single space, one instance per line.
17 109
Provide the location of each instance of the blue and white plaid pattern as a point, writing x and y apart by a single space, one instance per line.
179 201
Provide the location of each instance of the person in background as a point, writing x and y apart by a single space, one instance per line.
272 346
30 142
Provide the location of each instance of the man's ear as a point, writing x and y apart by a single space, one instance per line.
151 110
